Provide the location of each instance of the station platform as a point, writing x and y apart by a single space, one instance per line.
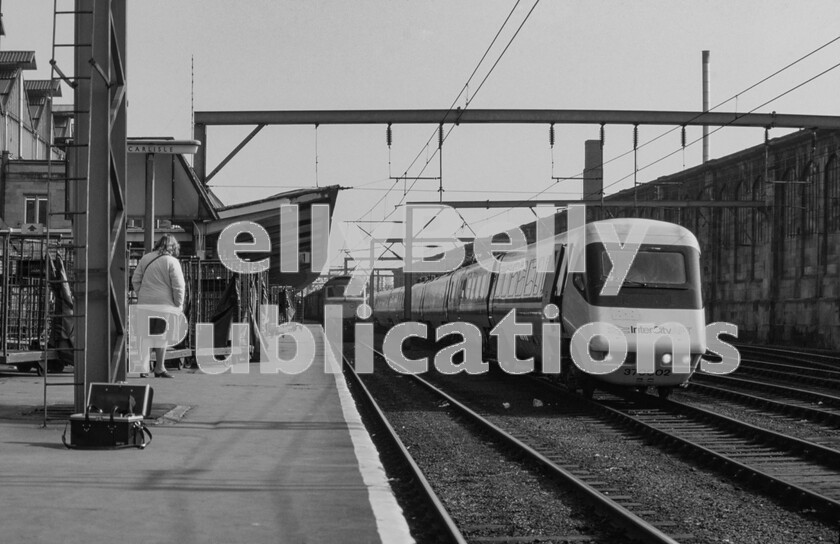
236 458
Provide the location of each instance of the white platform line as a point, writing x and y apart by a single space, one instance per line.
390 520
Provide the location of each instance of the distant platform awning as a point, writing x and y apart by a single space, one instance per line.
266 212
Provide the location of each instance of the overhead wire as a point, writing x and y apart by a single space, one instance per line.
484 80
454 102
466 86
669 131
660 159
652 140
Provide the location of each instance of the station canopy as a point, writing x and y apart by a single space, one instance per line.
266 212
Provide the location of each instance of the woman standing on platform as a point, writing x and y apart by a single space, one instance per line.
158 279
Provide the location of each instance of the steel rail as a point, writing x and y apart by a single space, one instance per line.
621 516
740 470
795 370
803 394
830 456
445 520
813 414
822 360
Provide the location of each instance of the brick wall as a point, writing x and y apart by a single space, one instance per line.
774 273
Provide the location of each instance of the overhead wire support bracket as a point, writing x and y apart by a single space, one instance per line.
101 72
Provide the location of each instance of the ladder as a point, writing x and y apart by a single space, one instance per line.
65 48
91 169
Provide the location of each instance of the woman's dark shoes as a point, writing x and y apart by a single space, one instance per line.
163 374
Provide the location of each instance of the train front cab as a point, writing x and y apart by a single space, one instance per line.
660 293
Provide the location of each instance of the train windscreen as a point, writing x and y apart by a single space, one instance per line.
659 277
651 267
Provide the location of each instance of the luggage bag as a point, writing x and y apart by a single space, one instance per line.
113 418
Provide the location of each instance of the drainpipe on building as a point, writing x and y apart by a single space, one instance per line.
4 160
20 117
705 105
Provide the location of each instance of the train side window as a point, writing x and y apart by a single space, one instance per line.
539 276
538 283
514 278
561 272
529 282
520 282
504 280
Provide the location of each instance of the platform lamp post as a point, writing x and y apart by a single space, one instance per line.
152 147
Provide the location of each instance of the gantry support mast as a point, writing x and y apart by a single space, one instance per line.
98 175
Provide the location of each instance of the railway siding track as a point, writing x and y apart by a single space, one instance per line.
784 400
802 473
827 379
812 359
808 395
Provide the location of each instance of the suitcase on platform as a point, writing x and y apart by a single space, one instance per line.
113 418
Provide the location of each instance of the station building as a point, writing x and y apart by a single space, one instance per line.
27 161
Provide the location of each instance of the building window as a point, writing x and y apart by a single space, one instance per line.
35 210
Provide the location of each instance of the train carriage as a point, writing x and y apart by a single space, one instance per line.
660 294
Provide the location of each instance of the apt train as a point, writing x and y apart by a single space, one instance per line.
662 286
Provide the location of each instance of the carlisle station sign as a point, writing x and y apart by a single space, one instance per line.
168 147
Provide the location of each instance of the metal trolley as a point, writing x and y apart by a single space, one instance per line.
34 301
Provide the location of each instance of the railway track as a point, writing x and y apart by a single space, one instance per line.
810 358
801 403
420 502
799 472
619 509
817 380
792 387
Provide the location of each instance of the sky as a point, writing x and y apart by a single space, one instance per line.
210 55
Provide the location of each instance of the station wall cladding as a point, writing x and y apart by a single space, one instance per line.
773 271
